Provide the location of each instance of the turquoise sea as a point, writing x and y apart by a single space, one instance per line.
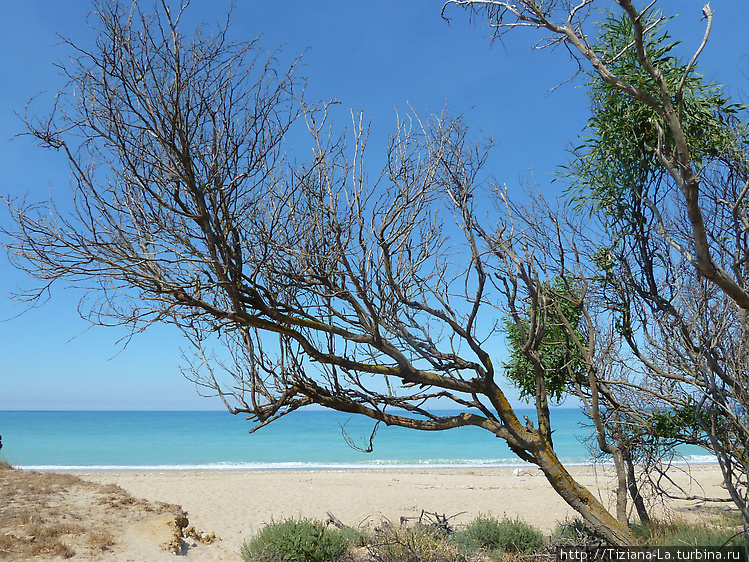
218 440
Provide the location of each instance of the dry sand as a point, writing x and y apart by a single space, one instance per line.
235 504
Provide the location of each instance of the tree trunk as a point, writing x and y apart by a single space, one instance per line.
634 490
581 500
621 487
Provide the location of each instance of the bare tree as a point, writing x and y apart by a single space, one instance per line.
297 283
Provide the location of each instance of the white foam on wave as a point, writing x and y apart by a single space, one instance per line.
299 465
375 464
706 459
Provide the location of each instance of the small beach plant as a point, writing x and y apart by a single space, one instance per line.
295 540
505 535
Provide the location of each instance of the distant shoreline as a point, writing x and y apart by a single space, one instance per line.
319 467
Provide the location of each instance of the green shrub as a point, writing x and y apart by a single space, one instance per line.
293 540
354 537
507 535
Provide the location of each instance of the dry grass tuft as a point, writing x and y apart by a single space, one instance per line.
51 548
55 530
404 544
99 540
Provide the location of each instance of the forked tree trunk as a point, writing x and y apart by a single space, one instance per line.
537 446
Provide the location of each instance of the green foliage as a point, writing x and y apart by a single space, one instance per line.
676 422
687 423
293 540
618 165
305 540
560 357
506 535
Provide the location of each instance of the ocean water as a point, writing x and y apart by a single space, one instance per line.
218 440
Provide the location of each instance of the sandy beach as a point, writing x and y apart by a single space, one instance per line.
235 504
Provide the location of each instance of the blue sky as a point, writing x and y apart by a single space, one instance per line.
373 56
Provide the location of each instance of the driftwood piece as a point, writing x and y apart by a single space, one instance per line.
433 519
333 520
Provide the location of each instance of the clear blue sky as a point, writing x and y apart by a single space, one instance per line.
374 56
